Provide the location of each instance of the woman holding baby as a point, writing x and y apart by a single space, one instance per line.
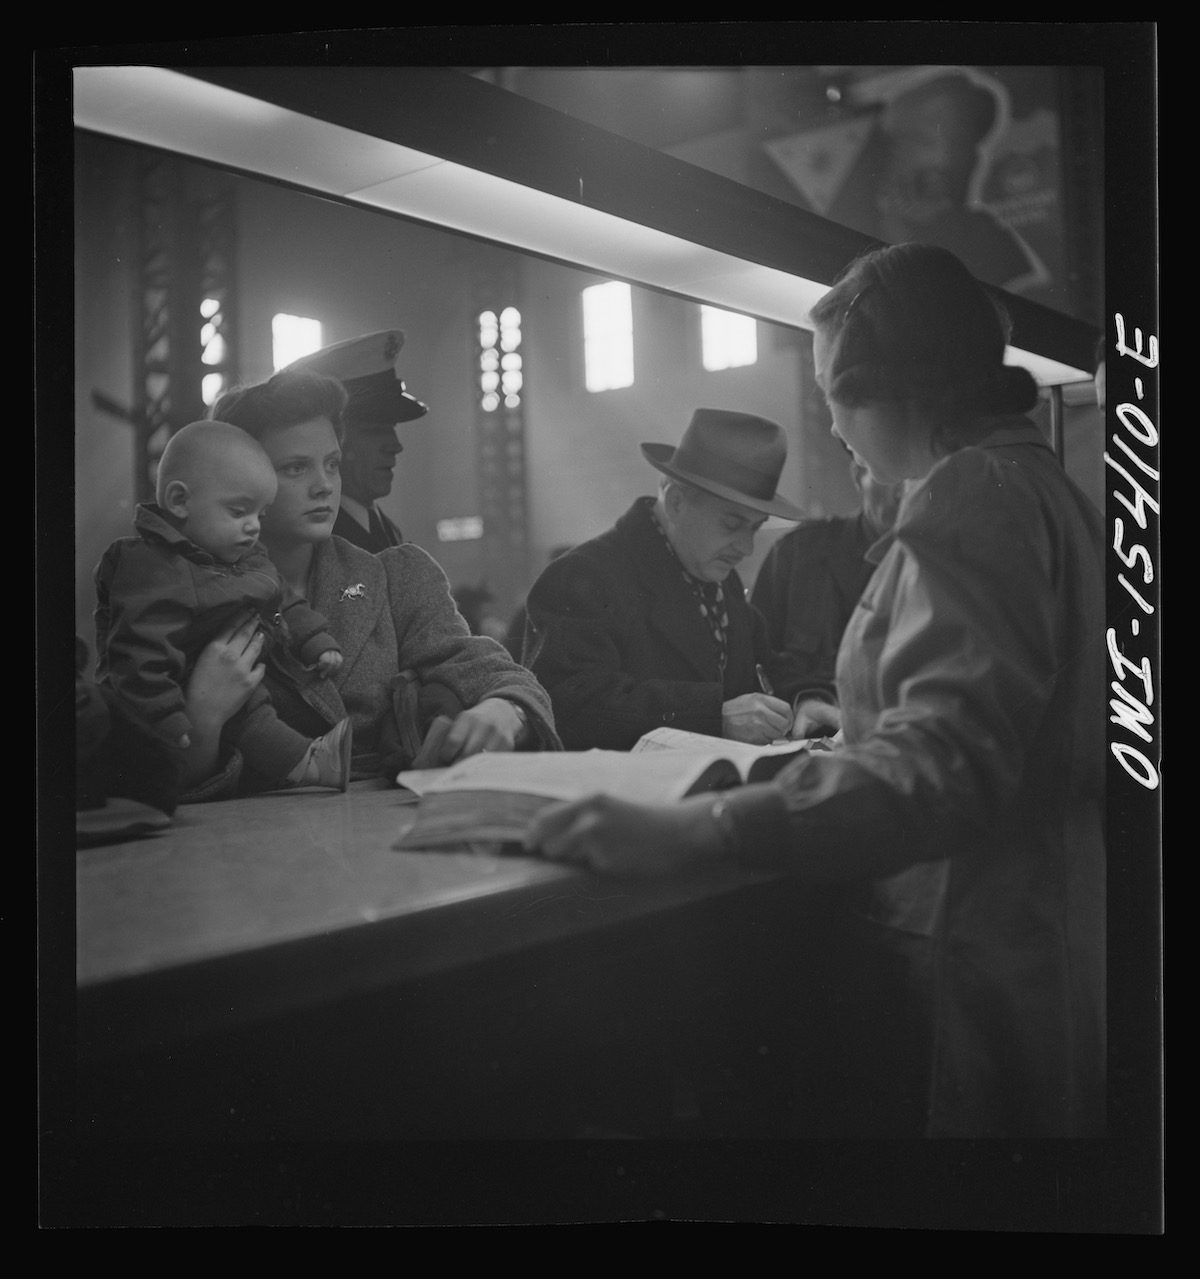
415 683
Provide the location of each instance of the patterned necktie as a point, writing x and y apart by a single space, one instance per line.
712 606
709 595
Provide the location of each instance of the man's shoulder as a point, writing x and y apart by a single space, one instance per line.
629 539
583 579
601 566
816 536
617 541
816 527
586 561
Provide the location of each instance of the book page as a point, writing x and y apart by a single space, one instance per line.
457 819
493 797
742 754
652 778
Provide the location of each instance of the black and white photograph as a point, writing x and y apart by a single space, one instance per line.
616 627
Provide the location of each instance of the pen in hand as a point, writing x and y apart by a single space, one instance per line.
768 688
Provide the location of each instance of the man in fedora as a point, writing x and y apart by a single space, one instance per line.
648 624
378 403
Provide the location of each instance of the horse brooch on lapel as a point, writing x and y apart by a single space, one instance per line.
356 592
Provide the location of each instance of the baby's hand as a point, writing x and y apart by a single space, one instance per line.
329 662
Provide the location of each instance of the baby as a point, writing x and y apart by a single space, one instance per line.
194 566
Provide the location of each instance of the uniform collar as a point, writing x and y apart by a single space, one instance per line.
359 513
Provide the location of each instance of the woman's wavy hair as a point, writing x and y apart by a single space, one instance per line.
909 323
290 397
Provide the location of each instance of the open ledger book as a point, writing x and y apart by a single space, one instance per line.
493 797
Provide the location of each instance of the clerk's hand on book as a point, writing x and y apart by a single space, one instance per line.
616 837
755 717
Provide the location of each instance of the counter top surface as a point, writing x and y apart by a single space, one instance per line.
244 908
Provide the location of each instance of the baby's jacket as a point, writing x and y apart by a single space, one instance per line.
160 599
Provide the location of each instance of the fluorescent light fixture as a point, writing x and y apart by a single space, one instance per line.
192 116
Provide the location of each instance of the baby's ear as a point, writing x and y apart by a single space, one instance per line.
175 498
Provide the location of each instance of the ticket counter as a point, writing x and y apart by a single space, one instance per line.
272 968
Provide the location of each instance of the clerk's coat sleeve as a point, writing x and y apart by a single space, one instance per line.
967 802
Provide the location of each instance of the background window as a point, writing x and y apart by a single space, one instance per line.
462 528
727 340
212 348
500 373
608 336
293 336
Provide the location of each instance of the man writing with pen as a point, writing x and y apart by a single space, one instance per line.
648 624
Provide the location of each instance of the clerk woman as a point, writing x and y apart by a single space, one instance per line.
964 811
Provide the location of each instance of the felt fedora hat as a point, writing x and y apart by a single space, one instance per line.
735 455
366 367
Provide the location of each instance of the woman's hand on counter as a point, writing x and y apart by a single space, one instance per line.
616 837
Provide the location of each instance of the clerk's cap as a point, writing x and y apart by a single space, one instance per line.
366 367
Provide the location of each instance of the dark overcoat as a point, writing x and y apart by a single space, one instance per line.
807 590
615 634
